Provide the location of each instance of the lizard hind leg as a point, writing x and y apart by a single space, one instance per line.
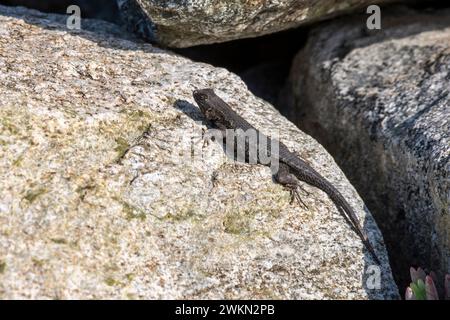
291 183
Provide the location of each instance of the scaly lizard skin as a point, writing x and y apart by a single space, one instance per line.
291 170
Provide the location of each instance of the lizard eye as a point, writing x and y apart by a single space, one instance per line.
202 97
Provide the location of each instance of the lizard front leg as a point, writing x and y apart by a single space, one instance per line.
290 182
212 135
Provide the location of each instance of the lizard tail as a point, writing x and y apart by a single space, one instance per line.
316 180
344 205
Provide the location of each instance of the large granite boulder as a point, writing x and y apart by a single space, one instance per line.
103 194
176 23
380 102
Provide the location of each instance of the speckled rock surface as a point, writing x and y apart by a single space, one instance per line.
103 194
379 101
186 23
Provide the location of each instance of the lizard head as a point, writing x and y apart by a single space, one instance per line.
215 109
205 100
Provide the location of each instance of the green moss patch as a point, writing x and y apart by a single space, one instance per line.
33 194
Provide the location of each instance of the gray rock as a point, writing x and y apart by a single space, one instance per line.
106 191
379 101
99 9
180 24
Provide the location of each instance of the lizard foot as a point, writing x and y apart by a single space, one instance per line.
291 183
304 190
296 196
206 138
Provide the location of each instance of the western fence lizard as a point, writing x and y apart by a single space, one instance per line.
291 170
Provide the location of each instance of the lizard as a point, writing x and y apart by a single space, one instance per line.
292 169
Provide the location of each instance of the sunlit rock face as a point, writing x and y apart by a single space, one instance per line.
176 23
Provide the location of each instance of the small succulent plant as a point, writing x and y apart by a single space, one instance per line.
422 286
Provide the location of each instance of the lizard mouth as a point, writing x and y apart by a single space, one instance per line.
201 95
197 96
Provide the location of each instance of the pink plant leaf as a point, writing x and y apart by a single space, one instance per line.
413 273
421 274
434 276
431 289
409 294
